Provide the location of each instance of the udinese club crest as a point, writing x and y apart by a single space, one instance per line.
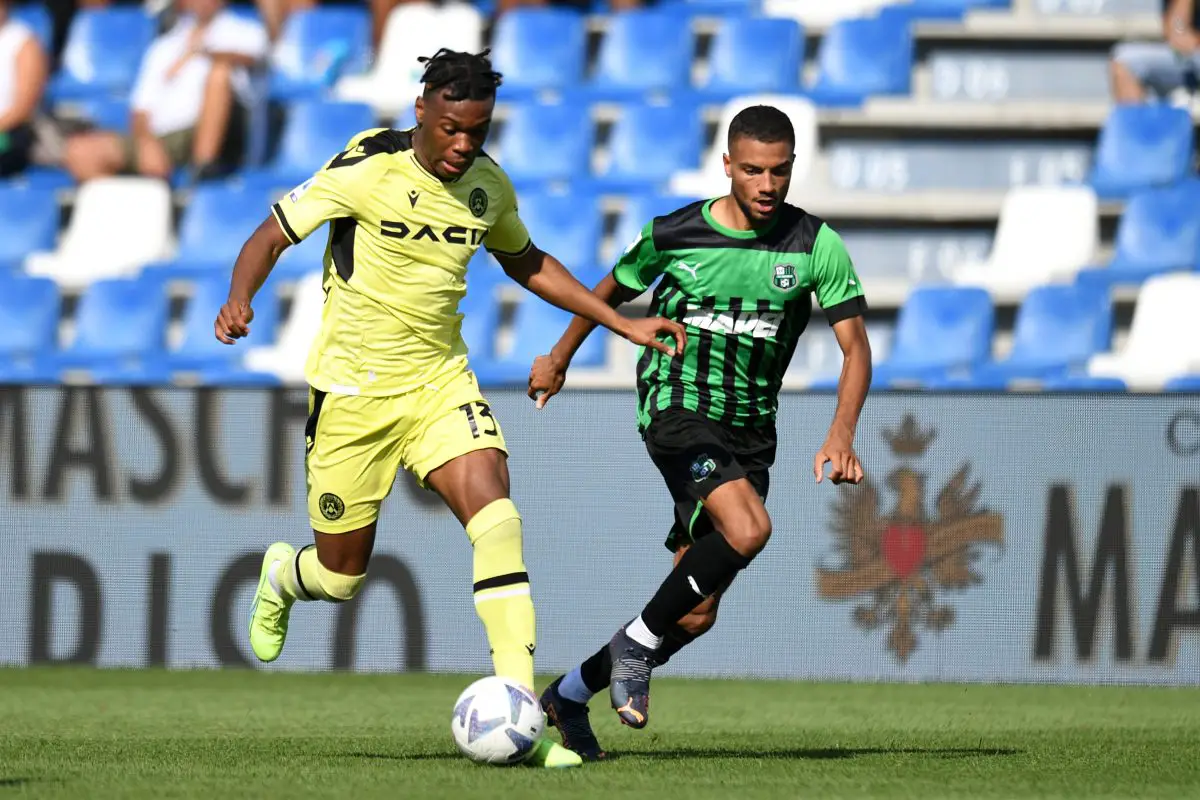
899 564
478 202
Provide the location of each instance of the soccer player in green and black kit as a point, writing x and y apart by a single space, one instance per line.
739 271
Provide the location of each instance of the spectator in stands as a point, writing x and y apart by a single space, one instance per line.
190 92
1161 68
23 70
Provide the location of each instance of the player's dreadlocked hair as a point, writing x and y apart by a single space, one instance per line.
765 124
460 76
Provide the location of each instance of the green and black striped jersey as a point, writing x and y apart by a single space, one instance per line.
744 296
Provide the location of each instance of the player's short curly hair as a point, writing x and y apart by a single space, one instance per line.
765 124
460 76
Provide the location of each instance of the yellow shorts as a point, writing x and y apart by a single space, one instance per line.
356 445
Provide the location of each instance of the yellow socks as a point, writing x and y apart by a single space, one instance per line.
305 578
502 598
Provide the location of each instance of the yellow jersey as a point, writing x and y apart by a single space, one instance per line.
396 260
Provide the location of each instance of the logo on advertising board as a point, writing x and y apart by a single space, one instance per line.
899 565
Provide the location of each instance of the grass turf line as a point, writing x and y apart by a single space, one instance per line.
72 732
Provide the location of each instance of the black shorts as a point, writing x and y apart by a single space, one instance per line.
696 455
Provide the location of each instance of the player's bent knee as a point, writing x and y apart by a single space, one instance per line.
749 533
338 587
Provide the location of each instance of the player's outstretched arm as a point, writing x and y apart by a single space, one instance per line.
549 372
253 265
545 276
855 379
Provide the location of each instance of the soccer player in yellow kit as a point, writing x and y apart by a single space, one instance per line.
390 384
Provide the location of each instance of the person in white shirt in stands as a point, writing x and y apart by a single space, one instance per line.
192 83
23 69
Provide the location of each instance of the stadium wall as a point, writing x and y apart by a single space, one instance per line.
1009 538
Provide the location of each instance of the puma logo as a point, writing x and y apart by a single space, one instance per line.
638 717
689 269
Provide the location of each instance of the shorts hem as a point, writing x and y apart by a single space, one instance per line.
338 527
421 471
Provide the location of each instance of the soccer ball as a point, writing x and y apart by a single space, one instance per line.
497 721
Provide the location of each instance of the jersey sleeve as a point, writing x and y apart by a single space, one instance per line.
640 264
508 235
336 190
838 288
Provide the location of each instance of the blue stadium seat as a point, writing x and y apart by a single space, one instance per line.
37 17
537 327
648 144
539 49
640 209
937 9
1142 146
199 348
30 309
301 259
939 330
567 227
103 51
1083 383
28 375
317 45
1058 328
30 223
1184 383
215 224
481 318
45 178
545 143
755 55
314 132
644 52
119 323
862 57
1159 231
106 113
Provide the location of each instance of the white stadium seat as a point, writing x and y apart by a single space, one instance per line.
821 13
1164 339
710 180
1045 234
412 30
286 358
118 226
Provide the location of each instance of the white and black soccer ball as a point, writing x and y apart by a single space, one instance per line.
497 721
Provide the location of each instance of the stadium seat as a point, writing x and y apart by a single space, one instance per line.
1142 146
314 132
754 55
645 52
539 50
710 180
1046 233
29 374
858 58
285 359
43 178
1164 339
120 324
119 225
1184 383
1159 231
103 51
1083 383
939 330
481 318
302 259
648 144
30 309
537 326
915 10
30 223
216 222
317 45
545 143
1058 328
37 18
566 226
412 29
198 348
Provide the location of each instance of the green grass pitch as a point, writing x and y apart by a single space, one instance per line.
67 732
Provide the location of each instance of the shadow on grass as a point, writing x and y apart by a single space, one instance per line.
14 783
785 754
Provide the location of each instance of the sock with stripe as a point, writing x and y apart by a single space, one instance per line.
304 578
502 598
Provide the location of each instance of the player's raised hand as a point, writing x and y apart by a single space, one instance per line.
233 321
546 378
646 331
838 452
